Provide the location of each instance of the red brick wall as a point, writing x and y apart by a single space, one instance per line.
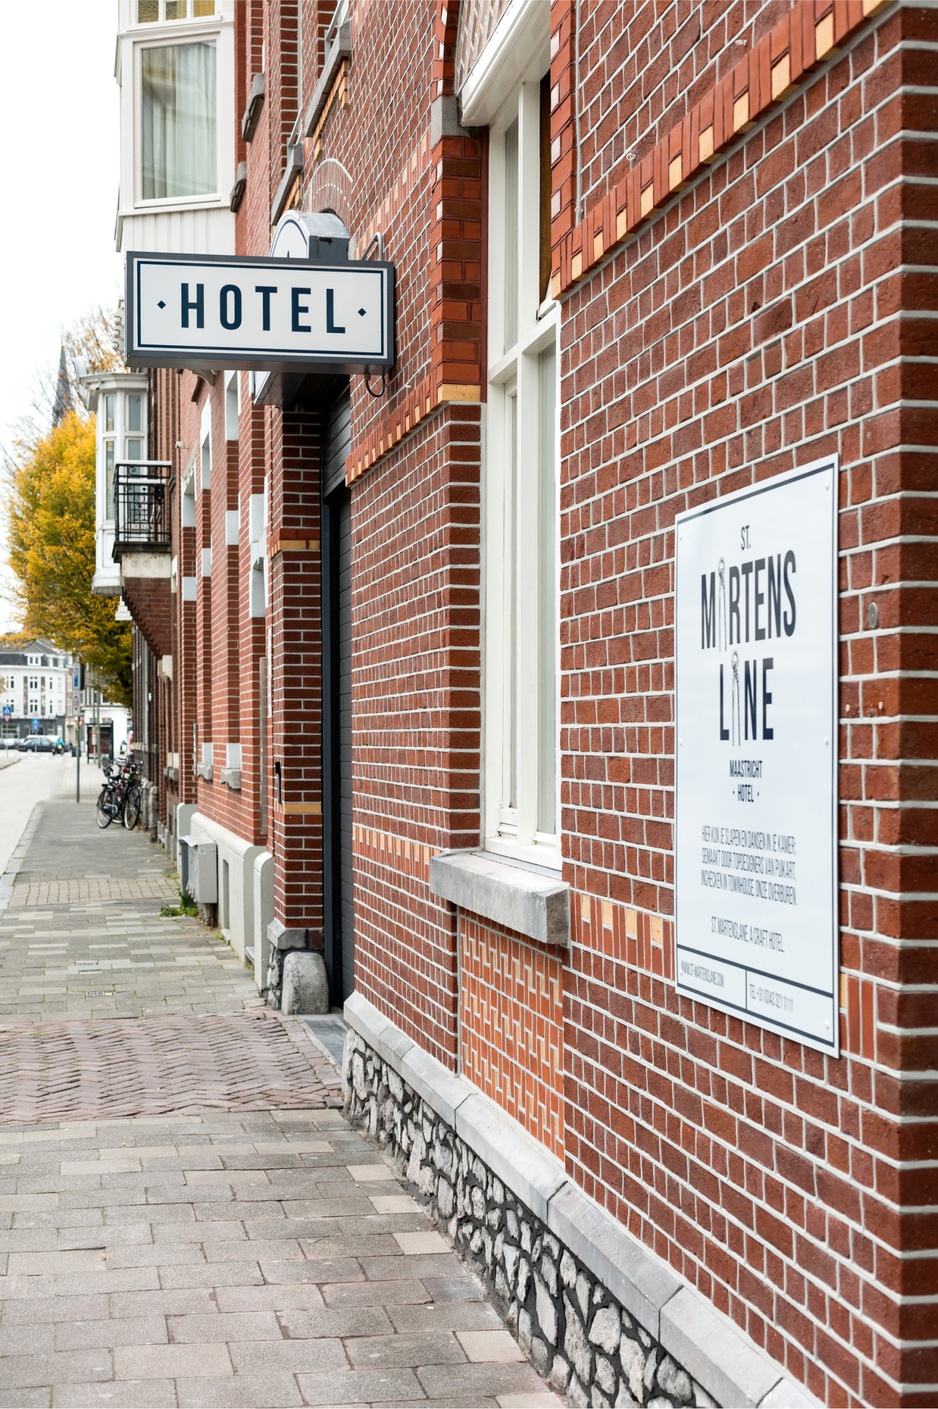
415 683
511 1026
294 613
753 326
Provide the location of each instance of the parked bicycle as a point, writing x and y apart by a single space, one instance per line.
121 795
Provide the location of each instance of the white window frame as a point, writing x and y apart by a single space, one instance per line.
513 700
133 38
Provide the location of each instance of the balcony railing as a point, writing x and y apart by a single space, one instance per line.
141 506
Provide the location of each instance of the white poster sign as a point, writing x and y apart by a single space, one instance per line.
756 772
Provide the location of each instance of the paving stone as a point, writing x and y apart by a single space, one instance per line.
54 1367
155 1255
190 1302
362 1387
288 1356
337 1321
38 1310
233 1326
428 1348
453 1289
215 1274
28 1339
374 1293
463 1316
154 1362
284 1296
421 1265
412 1243
273 1249
110 1331
125 1394
345 1269
222 1231
472 1381
370 1173
497 1346
250 1391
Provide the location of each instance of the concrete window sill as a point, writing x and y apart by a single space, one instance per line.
525 901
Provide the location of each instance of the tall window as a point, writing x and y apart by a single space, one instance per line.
521 501
178 112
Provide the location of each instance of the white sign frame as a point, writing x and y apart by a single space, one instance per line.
205 312
760 833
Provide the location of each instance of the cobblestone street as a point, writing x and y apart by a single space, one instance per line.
186 1217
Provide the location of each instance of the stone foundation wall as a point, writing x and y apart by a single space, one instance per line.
578 1336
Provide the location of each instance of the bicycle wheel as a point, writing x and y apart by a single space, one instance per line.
132 807
106 810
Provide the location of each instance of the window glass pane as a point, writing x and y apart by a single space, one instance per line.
203 7
511 235
109 476
148 11
547 598
511 601
178 97
132 448
134 413
175 9
109 413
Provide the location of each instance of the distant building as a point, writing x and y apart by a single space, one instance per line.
34 698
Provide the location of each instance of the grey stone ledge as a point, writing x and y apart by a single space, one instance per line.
637 1277
282 938
719 1356
231 777
384 1037
522 1165
787 1395
528 902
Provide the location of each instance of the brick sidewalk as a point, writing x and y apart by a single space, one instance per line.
185 1218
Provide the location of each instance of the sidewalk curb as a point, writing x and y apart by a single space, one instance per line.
8 879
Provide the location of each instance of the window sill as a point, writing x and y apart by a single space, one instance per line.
529 902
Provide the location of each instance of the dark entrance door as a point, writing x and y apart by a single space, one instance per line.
339 918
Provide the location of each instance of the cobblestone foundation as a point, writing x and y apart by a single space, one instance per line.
578 1336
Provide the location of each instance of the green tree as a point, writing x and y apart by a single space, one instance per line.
52 553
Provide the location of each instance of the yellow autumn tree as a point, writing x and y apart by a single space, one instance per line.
52 552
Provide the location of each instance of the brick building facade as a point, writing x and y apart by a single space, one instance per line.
411 646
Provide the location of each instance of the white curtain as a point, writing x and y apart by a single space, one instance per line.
178 92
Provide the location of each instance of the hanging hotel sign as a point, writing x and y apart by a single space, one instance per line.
207 311
756 773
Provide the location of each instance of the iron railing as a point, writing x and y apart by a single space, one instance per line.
141 506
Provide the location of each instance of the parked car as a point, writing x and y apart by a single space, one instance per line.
42 743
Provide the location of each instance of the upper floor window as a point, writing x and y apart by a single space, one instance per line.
165 11
176 70
178 116
123 435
